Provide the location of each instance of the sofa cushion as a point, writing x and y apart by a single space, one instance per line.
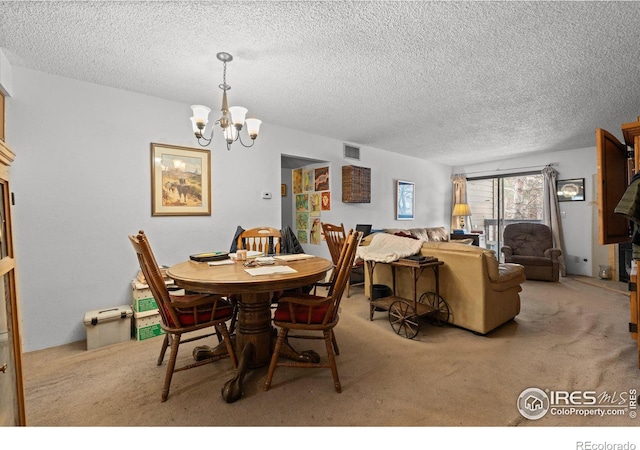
405 234
532 260
429 234
455 246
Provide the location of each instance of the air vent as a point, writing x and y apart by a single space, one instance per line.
351 152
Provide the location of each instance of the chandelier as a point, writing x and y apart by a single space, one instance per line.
232 119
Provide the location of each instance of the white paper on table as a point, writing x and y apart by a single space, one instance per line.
293 257
224 262
268 270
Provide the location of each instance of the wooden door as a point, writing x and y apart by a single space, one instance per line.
613 179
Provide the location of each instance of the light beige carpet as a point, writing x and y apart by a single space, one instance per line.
569 336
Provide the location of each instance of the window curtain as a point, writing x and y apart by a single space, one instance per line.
551 212
459 196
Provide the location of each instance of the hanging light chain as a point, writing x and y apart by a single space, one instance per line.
224 86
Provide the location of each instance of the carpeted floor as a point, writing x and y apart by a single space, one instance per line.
570 336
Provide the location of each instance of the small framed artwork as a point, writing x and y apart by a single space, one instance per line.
180 181
283 190
405 200
570 190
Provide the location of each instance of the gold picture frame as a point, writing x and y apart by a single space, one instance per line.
180 181
283 190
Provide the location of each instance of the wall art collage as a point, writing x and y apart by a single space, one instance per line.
312 196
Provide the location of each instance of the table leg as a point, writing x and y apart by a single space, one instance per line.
253 340
370 266
232 389
254 327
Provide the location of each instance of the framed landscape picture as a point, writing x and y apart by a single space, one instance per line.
180 181
405 200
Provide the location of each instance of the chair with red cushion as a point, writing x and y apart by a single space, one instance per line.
182 314
308 313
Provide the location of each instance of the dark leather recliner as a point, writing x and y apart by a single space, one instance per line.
531 245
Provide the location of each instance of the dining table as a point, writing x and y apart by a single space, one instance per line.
253 286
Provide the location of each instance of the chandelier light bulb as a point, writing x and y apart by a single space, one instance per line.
230 134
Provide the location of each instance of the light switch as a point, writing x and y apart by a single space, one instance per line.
563 214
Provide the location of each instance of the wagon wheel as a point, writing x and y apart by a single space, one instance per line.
403 319
440 314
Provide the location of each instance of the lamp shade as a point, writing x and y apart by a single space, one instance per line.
201 113
461 209
253 127
238 114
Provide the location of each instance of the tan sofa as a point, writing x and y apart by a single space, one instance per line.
482 294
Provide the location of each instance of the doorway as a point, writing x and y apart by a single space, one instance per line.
287 164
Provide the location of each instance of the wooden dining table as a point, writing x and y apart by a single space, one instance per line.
254 292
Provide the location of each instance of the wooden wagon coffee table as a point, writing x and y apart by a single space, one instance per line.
404 313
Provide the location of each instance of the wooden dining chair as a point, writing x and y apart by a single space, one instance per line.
267 240
335 235
261 239
182 314
311 314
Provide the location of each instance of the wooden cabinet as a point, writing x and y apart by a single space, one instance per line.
12 402
634 308
1 117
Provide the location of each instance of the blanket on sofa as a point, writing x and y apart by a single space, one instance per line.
387 248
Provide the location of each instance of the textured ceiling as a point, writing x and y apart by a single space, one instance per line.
450 82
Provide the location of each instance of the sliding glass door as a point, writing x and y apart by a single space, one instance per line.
497 201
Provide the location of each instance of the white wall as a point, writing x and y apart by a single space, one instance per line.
577 223
82 184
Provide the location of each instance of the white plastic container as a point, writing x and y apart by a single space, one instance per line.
108 326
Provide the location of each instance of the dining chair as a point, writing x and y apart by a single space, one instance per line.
267 240
310 314
335 235
260 239
182 314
